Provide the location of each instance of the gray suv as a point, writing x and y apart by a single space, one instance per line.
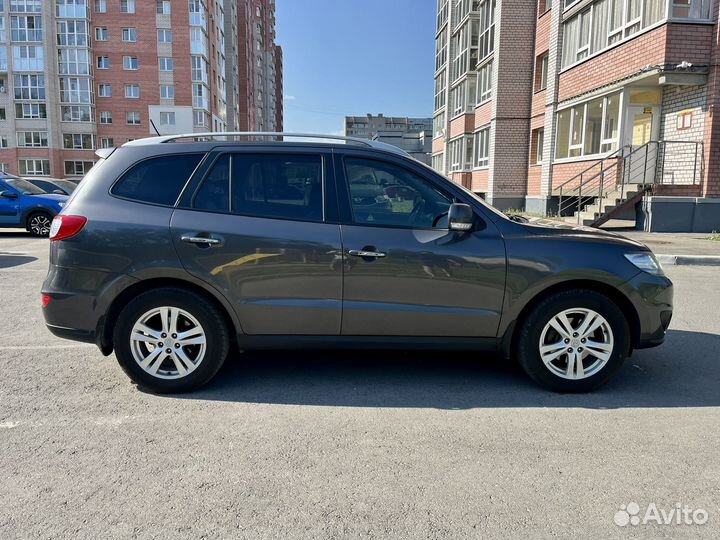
176 250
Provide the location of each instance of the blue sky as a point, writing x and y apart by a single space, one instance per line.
353 57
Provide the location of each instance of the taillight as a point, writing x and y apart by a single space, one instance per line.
64 227
45 300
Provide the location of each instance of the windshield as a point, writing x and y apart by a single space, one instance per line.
25 187
67 185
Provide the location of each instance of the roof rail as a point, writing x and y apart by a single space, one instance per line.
228 135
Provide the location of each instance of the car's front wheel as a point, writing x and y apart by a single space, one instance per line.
170 340
573 341
38 224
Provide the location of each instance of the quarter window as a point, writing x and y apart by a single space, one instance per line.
388 195
157 180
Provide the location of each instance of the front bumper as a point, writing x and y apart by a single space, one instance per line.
652 297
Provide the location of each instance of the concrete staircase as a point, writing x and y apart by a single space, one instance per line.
611 204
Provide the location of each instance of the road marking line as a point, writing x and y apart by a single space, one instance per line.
43 347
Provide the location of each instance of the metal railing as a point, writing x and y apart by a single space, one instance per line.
641 167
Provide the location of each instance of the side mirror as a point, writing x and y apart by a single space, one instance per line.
460 217
8 195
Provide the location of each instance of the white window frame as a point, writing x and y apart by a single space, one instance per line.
40 167
127 6
132 91
129 35
166 117
168 90
38 139
128 62
163 34
104 90
482 140
164 62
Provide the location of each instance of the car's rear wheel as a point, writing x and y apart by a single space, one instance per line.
573 341
38 223
170 340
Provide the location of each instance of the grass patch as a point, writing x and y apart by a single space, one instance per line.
714 236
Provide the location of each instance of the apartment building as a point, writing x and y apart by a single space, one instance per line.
366 127
77 75
581 107
260 65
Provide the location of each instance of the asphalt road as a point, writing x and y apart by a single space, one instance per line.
352 445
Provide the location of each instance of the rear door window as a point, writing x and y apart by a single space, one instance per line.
157 180
279 186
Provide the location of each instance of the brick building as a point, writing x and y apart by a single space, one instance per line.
77 75
605 102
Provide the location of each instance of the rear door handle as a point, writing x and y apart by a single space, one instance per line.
368 254
201 240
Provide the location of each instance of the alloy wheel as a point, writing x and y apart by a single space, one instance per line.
40 225
576 343
168 342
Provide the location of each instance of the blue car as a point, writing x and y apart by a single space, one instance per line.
23 205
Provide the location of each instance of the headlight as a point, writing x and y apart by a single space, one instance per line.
61 204
646 262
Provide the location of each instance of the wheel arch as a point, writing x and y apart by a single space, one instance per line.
28 212
107 322
631 315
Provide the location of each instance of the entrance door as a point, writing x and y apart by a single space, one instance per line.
641 157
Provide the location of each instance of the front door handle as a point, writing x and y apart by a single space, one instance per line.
201 240
367 254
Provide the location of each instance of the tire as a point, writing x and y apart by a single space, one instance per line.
38 224
200 354
603 350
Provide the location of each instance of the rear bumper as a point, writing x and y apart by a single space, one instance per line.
85 336
652 297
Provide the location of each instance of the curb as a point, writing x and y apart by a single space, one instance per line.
690 260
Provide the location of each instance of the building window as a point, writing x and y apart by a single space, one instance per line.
437 162
107 142
75 90
485 82
605 23
439 124
127 6
27 111
544 6
691 9
166 63
590 128
164 36
537 141
684 120
104 90
130 63
440 94
3 114
31 87
103 62
106 117
133 118
78 168
101 33
28 58
541 72
167 91
163 7
78 141
34 167
100 6
32 139
482 148
26 6
460 152
26 28
132 91
72 33
167 118
129 35
441 49
74 61
76 113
